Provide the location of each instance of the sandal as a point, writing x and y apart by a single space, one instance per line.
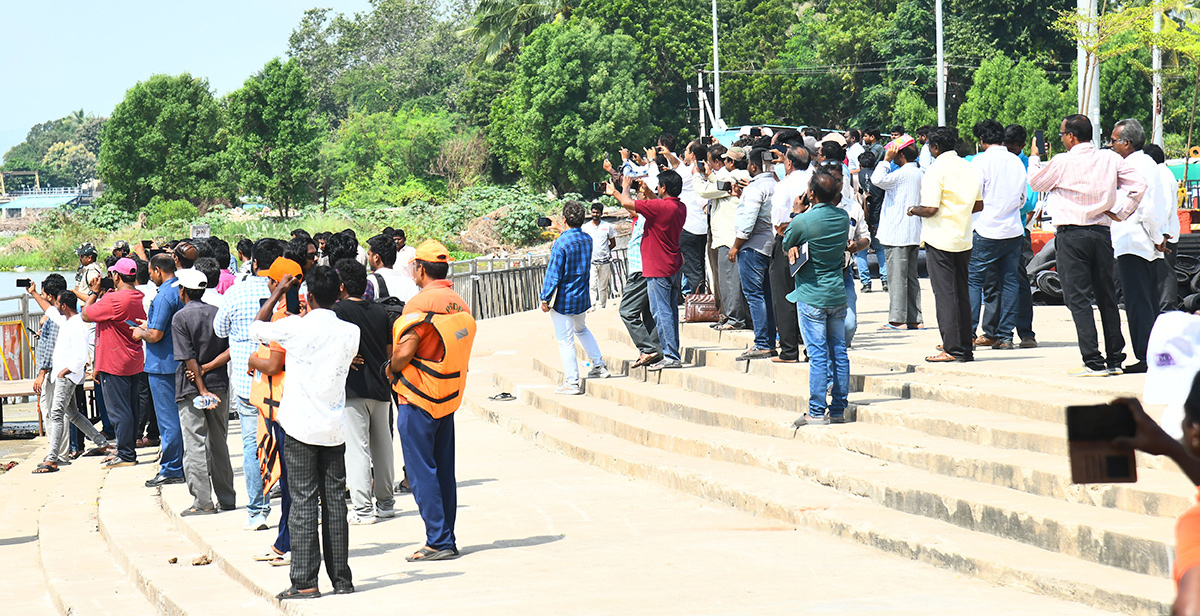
96 452
503 396
893 327
75 453
428 553
645 360
295 593
281 560
941 358
190 511
45 467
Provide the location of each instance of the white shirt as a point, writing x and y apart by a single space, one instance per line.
320 347
73 347
925 157
902 190
1138 234
212 298
852 154
786 191
1169 197
696 222
1003 176
404 261
149 292
858 226
600 234
362 257
398 285
723 205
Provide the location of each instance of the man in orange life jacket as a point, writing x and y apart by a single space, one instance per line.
431 347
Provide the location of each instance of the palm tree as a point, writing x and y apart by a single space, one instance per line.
499 25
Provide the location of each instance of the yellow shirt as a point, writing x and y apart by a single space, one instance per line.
952 186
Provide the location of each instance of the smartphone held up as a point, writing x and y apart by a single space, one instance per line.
1091 431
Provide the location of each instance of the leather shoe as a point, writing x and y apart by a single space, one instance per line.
984 341
1138 368
159 480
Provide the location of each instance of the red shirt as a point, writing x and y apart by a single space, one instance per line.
116 350
660 241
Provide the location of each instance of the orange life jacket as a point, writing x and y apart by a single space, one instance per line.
265 394
436 385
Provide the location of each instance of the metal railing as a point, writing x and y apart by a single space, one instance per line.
30 320
498 286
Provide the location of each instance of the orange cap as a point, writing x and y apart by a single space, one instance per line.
281 267
432 251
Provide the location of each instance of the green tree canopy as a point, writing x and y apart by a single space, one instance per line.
164 139
577 94
1014 93
72 160
275 135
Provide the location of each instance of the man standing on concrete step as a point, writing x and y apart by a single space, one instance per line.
604 239
1139 243
793 186
661 259
752 250
724 168
950 194
161 367
565 295
1083 201
635 301
899 233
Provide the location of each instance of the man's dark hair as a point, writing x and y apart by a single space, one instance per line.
909 152
387 232
110 261
799 157
944 138
184 261
128 279
1078 125
211 270
143 270
245 247
924 130
1014 134
1155 152
762 142
193 295
266 251
353 275
299 232
297 250
867 160
68 299
698 149
989 132
789 136
436 270
743 142
741 164
351 233
1132 131
872 131
832 150
220 250
204 247
825 187
341 246
668 140
574 213
384 247
671 182
324 285
899 128
596 205
163 262
811 131
54 284
399 233
854 134
756 158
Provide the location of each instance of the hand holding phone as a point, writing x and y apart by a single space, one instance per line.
1039 143
1093 434
24 283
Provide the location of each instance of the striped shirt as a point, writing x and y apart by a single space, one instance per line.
633 250
44 356
1082 186
233 321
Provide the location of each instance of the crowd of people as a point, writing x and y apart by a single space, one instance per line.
314 345
782 222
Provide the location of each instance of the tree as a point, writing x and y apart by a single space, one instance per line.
389 148
499 25
1013 93
164 139
577 95
72 160
275 135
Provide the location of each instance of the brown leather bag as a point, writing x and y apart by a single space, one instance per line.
700 307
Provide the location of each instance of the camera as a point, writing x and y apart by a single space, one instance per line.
768 156
725 186
107 284
599 188
544 222
24 283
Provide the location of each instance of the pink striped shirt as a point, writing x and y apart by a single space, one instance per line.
1083 186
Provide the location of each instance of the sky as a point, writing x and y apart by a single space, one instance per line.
62 55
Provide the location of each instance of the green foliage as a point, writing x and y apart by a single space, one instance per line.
386 149
275 135
517 225
109 217
911 110
499 26
1011 93
72 160
62 168
577 94
162 212
165 139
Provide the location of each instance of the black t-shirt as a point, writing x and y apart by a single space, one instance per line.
375 329
194 338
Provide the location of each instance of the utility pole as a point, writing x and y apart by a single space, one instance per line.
1089 79
941 67
1156 135
716 66
700 100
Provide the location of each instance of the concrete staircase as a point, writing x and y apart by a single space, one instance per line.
950 466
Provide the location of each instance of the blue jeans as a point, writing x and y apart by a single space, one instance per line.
752 267
428 447
664 304
823 330
998 260
283 538
851 306
257 503
864 269
166 410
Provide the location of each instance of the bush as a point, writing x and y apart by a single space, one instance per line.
160 212
108 217
518 224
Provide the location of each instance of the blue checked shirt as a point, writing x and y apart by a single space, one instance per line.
568 273
45 348
233 320
633 251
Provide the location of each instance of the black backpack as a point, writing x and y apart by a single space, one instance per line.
393 305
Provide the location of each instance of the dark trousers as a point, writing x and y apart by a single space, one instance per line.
994 267
1085 267
318 473
147 417
636 315
120 396
1140 281
1168 285
787 322
948 274
428 447
283 538
691 246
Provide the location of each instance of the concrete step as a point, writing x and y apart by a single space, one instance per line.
82 576
807 504
1142 544
144 540
22 496
1157 492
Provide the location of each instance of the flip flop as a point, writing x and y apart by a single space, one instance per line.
917 327
190 511
645 361
294 593
893 327
941 358
428 553
45 468
503 396
96 452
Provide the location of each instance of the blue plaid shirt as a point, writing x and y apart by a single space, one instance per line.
233 320
568 273
45 347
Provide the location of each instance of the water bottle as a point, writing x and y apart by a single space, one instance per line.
204 403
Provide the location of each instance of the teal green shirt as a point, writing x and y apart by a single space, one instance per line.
826 229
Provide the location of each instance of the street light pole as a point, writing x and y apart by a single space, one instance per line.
941 67
1156 135
1089 77
716 66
